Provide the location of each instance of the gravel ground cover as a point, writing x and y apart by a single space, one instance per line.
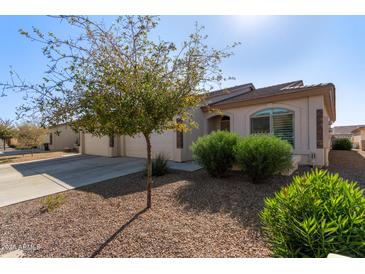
349 164
193 215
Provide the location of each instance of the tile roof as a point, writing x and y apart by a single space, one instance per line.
222 94
345 129
285 88
356 130
230 90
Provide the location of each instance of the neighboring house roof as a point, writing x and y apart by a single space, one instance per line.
342 130
358 129
289 90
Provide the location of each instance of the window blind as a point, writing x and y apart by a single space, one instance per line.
283 127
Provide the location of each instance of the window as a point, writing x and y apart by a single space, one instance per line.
111 141
225 123
50 139
179 136
78 139
276 121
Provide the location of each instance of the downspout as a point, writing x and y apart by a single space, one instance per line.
308 138
312 155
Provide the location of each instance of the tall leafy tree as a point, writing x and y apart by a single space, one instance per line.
6 131
116 79
30 135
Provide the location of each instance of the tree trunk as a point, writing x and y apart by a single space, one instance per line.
4 144
149 171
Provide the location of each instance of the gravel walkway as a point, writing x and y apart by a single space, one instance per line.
349 164
193 215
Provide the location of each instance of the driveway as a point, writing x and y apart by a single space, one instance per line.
25 181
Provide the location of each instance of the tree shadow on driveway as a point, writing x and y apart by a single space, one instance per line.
130 184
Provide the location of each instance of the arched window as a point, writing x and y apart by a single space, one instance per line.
225 123
276 121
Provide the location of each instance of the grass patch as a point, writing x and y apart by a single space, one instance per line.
52 202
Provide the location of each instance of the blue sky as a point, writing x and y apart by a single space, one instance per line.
275 49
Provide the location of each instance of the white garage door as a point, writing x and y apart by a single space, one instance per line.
161 143
96 146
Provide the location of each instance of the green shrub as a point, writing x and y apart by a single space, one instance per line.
319 213
51 202
159 165
215 152
342 144
261 156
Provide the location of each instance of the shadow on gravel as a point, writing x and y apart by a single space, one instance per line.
121 186
234 195
116 233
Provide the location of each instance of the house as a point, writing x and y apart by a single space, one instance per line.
62 137
298 113
340 132
8 142
358 138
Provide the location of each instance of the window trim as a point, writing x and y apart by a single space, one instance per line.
227 120
111 140
271 114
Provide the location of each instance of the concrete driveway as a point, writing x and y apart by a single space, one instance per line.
25 181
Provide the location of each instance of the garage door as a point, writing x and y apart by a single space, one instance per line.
161 143
96 146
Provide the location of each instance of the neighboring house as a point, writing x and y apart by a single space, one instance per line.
358 138
340 132
62 137
292 111
9 142
12 141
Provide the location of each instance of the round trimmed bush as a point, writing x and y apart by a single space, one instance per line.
318 214
342 144
261 156
215 152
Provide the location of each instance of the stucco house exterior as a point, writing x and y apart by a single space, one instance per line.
301 114
340 132
358 138
62 137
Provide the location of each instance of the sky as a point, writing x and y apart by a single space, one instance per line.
274 49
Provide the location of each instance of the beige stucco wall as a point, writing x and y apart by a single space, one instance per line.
358 139
160 143
66 139
304 123
189 137
94 145
131 146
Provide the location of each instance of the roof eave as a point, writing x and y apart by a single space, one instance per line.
313 91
